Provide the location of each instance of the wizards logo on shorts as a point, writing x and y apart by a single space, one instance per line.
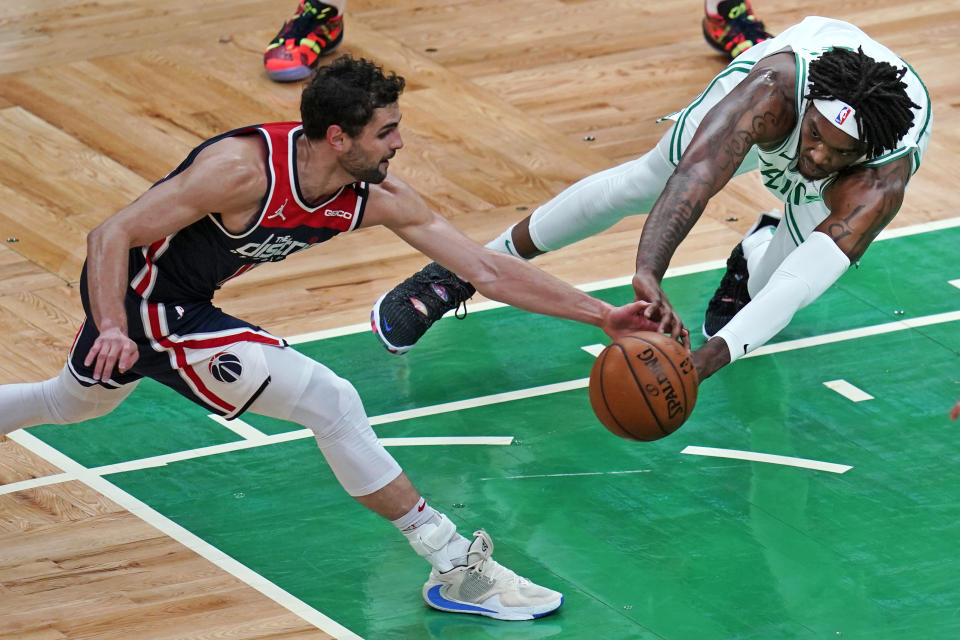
226 367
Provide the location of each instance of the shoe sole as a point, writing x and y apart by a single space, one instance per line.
293 74
375 325
290 74
433 598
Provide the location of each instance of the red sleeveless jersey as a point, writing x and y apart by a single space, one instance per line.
191 264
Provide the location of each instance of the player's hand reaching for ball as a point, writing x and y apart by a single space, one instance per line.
628 319
647 288
112 348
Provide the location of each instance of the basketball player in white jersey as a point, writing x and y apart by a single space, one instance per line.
252 196
837 125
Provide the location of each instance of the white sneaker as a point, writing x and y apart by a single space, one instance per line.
485 587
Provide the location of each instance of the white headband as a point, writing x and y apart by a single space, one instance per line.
840 115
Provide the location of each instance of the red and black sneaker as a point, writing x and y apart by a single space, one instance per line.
734 29
315 30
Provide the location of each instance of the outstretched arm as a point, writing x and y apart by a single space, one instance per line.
861 203
496 275
758 111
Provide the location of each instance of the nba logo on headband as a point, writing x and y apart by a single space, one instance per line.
844 112
838 113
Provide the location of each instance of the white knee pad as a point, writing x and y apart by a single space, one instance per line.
308 393
599 201
59 400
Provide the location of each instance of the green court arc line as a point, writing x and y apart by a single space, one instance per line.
183 536
672 272
753 456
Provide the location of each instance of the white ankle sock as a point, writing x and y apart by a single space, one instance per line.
504 243
420 514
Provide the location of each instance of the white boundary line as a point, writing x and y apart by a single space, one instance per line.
886 234
184 537
239 445
459 405
789 461
571 475
239 427
852 334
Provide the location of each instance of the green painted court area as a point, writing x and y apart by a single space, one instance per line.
645 541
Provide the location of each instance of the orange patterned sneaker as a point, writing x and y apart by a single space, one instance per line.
315 30
735 29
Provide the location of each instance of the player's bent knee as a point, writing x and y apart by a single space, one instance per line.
340 411
344 435
331 408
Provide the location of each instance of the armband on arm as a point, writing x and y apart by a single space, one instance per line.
799 280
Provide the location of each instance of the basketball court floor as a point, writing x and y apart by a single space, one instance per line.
812 493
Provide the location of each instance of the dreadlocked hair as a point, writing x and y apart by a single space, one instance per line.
874 89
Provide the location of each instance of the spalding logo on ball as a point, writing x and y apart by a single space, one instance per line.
226 367
643 386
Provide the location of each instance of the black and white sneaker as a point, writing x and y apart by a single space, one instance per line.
732 294
402 315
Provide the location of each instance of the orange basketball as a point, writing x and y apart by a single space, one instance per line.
643 386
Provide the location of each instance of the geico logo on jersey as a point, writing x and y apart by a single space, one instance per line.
336 213
270 250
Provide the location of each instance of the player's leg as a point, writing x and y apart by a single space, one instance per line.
464 578
72 396
314 30
591 205
401 316
59 400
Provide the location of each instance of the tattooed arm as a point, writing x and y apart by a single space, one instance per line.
758 111
862 202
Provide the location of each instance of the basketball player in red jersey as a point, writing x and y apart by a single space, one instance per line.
256 195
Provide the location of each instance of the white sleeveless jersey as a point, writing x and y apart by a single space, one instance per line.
807 40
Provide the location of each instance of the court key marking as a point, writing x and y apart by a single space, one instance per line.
848 391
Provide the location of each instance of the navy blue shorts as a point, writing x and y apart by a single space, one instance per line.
194 348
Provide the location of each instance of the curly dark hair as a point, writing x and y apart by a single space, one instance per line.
345 93
874 89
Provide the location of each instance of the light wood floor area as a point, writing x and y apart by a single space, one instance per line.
507 103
